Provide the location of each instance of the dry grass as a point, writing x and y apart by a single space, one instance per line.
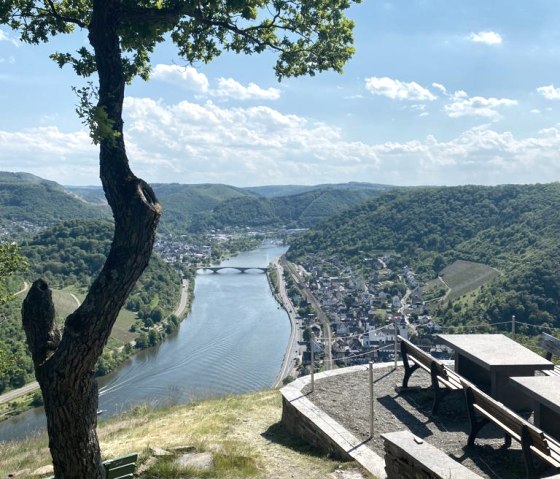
244 426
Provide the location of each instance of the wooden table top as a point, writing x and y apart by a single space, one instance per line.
493 351
545 389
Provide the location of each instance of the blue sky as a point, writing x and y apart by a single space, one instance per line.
439 92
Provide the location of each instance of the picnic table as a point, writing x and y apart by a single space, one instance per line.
489 360
544 392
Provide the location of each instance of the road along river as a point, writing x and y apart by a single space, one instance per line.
233 341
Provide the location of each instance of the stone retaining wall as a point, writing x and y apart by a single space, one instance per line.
408 457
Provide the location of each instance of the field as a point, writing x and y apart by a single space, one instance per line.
462 277
67 300
458 279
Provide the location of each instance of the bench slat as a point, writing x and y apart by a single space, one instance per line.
120 472
550 344
531 438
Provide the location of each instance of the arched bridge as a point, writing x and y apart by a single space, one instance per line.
241 269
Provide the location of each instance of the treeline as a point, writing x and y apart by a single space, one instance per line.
514 228
73 252
200 208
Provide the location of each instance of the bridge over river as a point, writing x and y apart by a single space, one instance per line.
241 269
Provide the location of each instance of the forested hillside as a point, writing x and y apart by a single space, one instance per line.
515 229
199 208
29 203
25 198
69 256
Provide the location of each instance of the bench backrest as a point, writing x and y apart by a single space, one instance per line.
423 357
550 344
516 426
122 467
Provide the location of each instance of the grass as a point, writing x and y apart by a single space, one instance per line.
464 277
242 432
122 326
65 303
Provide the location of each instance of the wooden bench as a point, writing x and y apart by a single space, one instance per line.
119 468
551 346
482 409
439 373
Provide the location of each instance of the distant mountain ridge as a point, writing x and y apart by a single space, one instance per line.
189 208
27 198
288 190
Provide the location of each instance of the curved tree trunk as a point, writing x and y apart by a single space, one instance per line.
64 366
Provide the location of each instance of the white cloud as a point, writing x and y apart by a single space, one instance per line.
192 142
486 37
69 158
398 90
440 87
463 105
231 89
195 143
549 92
5 37
186 77
477 156
227 88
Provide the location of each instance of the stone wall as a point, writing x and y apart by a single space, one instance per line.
300 425
408 457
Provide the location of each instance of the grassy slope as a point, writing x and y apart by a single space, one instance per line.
465 276
244 425
65 303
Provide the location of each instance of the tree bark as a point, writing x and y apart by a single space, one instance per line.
64 366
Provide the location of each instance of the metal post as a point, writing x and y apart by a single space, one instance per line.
513 325
396 348
371 412
312 363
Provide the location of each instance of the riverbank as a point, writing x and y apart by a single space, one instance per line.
232 342
294 352
16 401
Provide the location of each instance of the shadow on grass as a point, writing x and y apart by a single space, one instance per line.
278 434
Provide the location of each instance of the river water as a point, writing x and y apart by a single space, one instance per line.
233 341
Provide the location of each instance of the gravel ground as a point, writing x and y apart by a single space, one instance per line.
345 398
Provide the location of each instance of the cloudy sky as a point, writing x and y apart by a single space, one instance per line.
439 92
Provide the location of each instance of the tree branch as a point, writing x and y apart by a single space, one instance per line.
64 18
43 335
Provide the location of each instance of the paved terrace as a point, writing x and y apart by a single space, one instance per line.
338 413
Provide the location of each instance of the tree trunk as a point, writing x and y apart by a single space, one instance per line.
64 367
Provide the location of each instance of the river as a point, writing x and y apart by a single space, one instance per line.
233 341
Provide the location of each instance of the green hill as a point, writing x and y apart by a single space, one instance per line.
69 256
28 199
187 209
273 191
198 208
514 229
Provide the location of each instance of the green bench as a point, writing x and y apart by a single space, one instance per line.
439 373
119 468
551 346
